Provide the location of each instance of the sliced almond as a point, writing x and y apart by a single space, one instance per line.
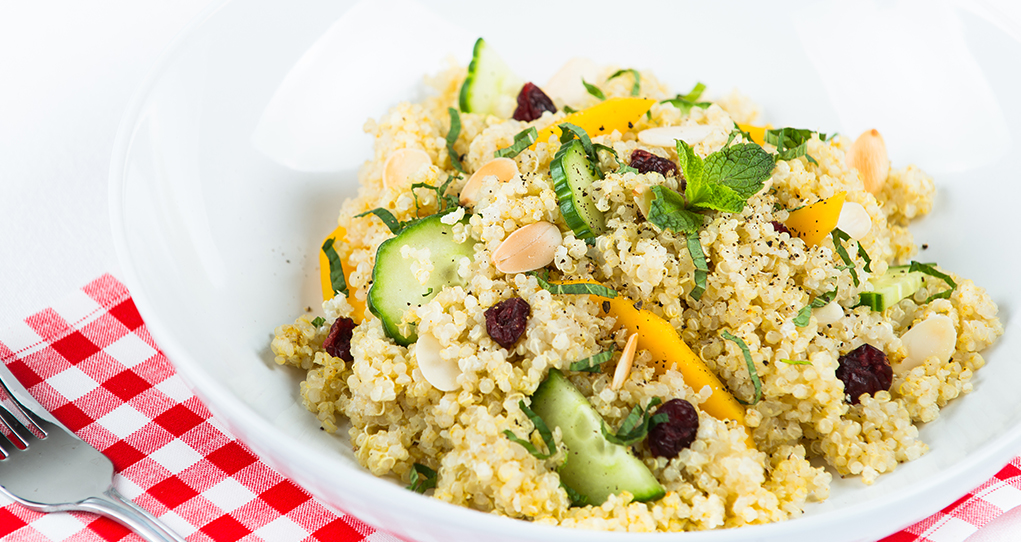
934 336
828 313
566 86
503 169
643 197
854 220
528 248
402 164
667 136
627 359
439 372
868 155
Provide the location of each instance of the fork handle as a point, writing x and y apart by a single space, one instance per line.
114 506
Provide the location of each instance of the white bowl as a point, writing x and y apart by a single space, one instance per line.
218 243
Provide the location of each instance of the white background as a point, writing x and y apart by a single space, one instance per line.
67 71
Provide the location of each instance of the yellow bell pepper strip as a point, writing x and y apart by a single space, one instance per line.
358 312
669 352
812 223
613 114
758 133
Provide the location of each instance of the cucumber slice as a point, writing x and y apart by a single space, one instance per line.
491 88
573 175
394 286
595 468
896 284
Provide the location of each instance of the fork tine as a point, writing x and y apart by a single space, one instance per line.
11 422
26 412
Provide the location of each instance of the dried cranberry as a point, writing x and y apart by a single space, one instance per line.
780 228
505 321
338 340
532 102
667 439
864 370
645 161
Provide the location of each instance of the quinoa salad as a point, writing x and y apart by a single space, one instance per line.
598 303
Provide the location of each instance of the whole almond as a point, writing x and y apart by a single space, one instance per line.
868 155
528 248
503 169
403 163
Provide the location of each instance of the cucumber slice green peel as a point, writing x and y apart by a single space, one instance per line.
595 468
573 175
395 288
490 88
896 284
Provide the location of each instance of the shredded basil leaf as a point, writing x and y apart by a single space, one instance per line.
577 499
337 281
318 321
689 101
422 478
591 364
751 366
593 90
596 147
636 87
579 288
701 267
570 131
838 237
737 130
522 140
544 432
695 93
796 361
388 218
820 301
635 426
568 109
455 130
932 272
444 201
624 168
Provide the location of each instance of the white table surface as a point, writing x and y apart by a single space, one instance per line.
67 71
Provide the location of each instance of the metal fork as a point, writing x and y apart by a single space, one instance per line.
58 472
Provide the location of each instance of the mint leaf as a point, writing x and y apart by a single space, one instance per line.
593 90
791 143
318 321
743 168
704 194
796 361
455 130
691 163
668 212
839 236
570 131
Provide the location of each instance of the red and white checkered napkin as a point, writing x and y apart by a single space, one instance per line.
93 364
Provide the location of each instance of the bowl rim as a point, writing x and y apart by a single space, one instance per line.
912 503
